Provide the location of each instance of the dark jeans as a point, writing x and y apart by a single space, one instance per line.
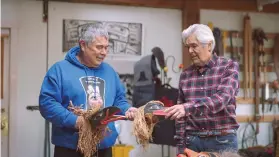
66 152
212 144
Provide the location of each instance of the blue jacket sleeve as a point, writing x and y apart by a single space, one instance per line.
50 99
120 98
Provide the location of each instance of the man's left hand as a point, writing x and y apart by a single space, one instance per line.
130 113
175 112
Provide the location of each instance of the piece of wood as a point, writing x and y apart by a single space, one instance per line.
263 119
276 56
2 68
241 100
245 55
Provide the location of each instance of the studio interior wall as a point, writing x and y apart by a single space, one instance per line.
162 27
230 20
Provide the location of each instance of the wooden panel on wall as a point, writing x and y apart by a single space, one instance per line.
2 67
173 4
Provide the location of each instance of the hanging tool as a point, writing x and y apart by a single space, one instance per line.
210 25
245 56
265 86
235 55
276 55
237 47
250 59
231 46
276 68
224 40
258 38
218 41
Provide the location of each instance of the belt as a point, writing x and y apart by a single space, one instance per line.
209 133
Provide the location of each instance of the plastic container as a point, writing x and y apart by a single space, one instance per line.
121 150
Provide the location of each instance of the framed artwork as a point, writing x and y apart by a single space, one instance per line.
125 39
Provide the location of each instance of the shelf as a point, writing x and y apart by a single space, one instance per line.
264 119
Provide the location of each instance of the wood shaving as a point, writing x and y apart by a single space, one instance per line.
143 126
89 137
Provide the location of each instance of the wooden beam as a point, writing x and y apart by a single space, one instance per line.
264 119
172 4
230 5
2 66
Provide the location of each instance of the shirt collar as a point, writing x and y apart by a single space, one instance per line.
210 63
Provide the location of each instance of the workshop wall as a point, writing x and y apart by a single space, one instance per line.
229 21
162 27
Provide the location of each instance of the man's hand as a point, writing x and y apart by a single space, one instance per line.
175 112
130 113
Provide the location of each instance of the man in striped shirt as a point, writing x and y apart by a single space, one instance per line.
205 112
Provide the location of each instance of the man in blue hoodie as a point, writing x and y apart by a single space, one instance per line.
82 78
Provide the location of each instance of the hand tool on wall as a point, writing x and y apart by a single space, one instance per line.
210 25
276 68
224 40
231 45
218 41
235 55
245 54
237 47
258 38
276 55
265 86
250 59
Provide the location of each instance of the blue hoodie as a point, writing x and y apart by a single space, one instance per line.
70 80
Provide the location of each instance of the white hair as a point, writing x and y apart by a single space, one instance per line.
89 32
203 33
